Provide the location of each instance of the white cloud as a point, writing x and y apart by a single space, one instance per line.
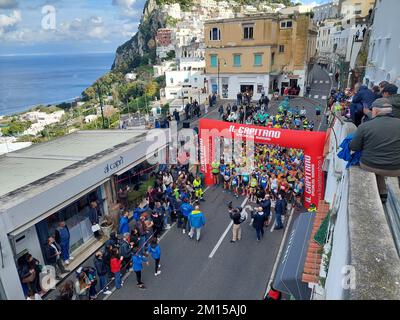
129 8
129 29
8 23
8 4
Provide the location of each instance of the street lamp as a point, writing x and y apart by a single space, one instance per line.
218 64
99 93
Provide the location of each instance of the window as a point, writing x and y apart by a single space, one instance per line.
272 58
281 48
258 59
215 34
236 60
286 24
248 32
213 61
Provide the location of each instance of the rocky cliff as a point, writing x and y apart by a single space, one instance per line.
141 49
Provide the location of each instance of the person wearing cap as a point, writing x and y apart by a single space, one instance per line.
379 142
389 91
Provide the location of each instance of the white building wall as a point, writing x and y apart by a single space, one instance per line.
383 57
235 82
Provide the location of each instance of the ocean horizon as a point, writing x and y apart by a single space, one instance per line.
28 80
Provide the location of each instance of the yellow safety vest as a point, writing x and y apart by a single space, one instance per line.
253 182
196 183
215 167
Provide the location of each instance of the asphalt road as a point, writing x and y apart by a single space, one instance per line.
238 270
234 271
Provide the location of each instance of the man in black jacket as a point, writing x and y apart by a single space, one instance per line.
266 205
102 271
126 249
53 253
237 220
258 222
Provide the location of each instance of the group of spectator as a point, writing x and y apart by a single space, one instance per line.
376 113
174 196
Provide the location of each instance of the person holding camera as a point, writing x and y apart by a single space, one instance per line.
235 215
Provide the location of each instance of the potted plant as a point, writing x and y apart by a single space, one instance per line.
106 226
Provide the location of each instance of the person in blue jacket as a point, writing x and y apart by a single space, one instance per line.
186 209
362 99
137 265
138 212
62 237
124 223
197 220
155 251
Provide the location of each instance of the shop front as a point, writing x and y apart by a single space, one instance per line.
76 217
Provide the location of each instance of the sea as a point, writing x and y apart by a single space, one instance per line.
29 80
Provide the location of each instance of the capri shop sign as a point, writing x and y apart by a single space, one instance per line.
114 165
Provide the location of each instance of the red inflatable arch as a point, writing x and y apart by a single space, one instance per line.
311 142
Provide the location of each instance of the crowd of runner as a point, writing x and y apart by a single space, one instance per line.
258 114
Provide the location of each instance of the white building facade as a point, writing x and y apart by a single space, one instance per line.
326 11
178 83
384 45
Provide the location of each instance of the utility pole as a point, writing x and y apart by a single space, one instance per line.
218 80
218 85
99 93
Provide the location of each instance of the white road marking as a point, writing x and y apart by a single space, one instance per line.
327 81
315 81
316 96
323 97
321 81
129 272
224 234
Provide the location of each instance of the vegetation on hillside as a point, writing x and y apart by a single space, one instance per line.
15 127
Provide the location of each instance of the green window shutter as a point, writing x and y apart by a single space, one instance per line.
257 59
236 60
214 61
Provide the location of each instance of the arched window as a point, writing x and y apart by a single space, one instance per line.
215 34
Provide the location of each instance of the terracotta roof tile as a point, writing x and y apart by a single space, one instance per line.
309 278
312 264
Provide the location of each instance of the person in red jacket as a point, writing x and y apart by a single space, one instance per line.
115 265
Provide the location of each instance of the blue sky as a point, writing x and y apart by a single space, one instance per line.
80 25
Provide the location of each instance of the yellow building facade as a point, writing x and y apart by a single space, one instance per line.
258 53
356 8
